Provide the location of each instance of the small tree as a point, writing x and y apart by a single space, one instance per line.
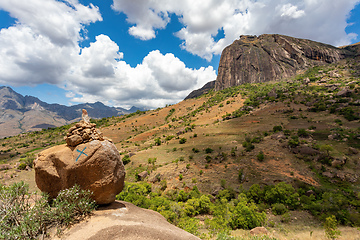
331 230
157 141
326 148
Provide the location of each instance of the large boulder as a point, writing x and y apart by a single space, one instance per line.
95 166
125 221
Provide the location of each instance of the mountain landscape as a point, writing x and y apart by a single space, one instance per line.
274 141
19 114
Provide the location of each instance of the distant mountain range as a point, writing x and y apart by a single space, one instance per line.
19 114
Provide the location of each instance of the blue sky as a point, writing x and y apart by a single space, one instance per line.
145 53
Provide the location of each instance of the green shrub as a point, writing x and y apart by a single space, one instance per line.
126 159
277 128
261 156
22 166
182 140
279 209
195 150
208 150
23 218
302 133
294 141
331 230
282 193
248 146
157 141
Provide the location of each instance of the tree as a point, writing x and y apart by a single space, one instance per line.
331 230
326 148
157 141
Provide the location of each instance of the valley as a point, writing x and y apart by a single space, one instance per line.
303 131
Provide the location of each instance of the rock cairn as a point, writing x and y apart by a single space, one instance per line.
88 160
83 132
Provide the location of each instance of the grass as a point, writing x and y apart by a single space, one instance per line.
249 113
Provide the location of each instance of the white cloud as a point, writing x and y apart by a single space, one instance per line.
158 80
42 45
60 22
319 20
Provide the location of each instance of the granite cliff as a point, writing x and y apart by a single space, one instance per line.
271 57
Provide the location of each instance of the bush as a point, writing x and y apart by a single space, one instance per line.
279 209
195 150
182 140
25 216
126 159
277 128
331 230
157 141
208 150
261 156
22 166
302 133
248 146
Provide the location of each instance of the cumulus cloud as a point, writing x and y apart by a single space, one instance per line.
42 45
160 79
60 21
202 19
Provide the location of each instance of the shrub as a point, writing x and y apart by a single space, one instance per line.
331 230
302 133
279 209
157 141
261 156
282 193
245 215
248 146
208 159
25 216
22 166
208 150
152 161
195 150
182 140
277 128
168 138
294 141
126 159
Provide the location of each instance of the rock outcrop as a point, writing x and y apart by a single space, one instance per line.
271 57
125 221
87 160
205 89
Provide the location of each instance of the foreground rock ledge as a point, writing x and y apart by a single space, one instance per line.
122 220
94 166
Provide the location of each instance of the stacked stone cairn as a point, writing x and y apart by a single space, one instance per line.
83 132
88 160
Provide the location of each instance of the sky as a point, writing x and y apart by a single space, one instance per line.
146 53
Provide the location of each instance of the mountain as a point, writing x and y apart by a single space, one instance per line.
19 114
205 89
292 147
271 57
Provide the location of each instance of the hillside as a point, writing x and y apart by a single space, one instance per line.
20 114
303 131
272 57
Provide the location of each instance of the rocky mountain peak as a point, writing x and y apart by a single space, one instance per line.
271 57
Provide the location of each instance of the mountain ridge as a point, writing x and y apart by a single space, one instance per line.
271 57
19 114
